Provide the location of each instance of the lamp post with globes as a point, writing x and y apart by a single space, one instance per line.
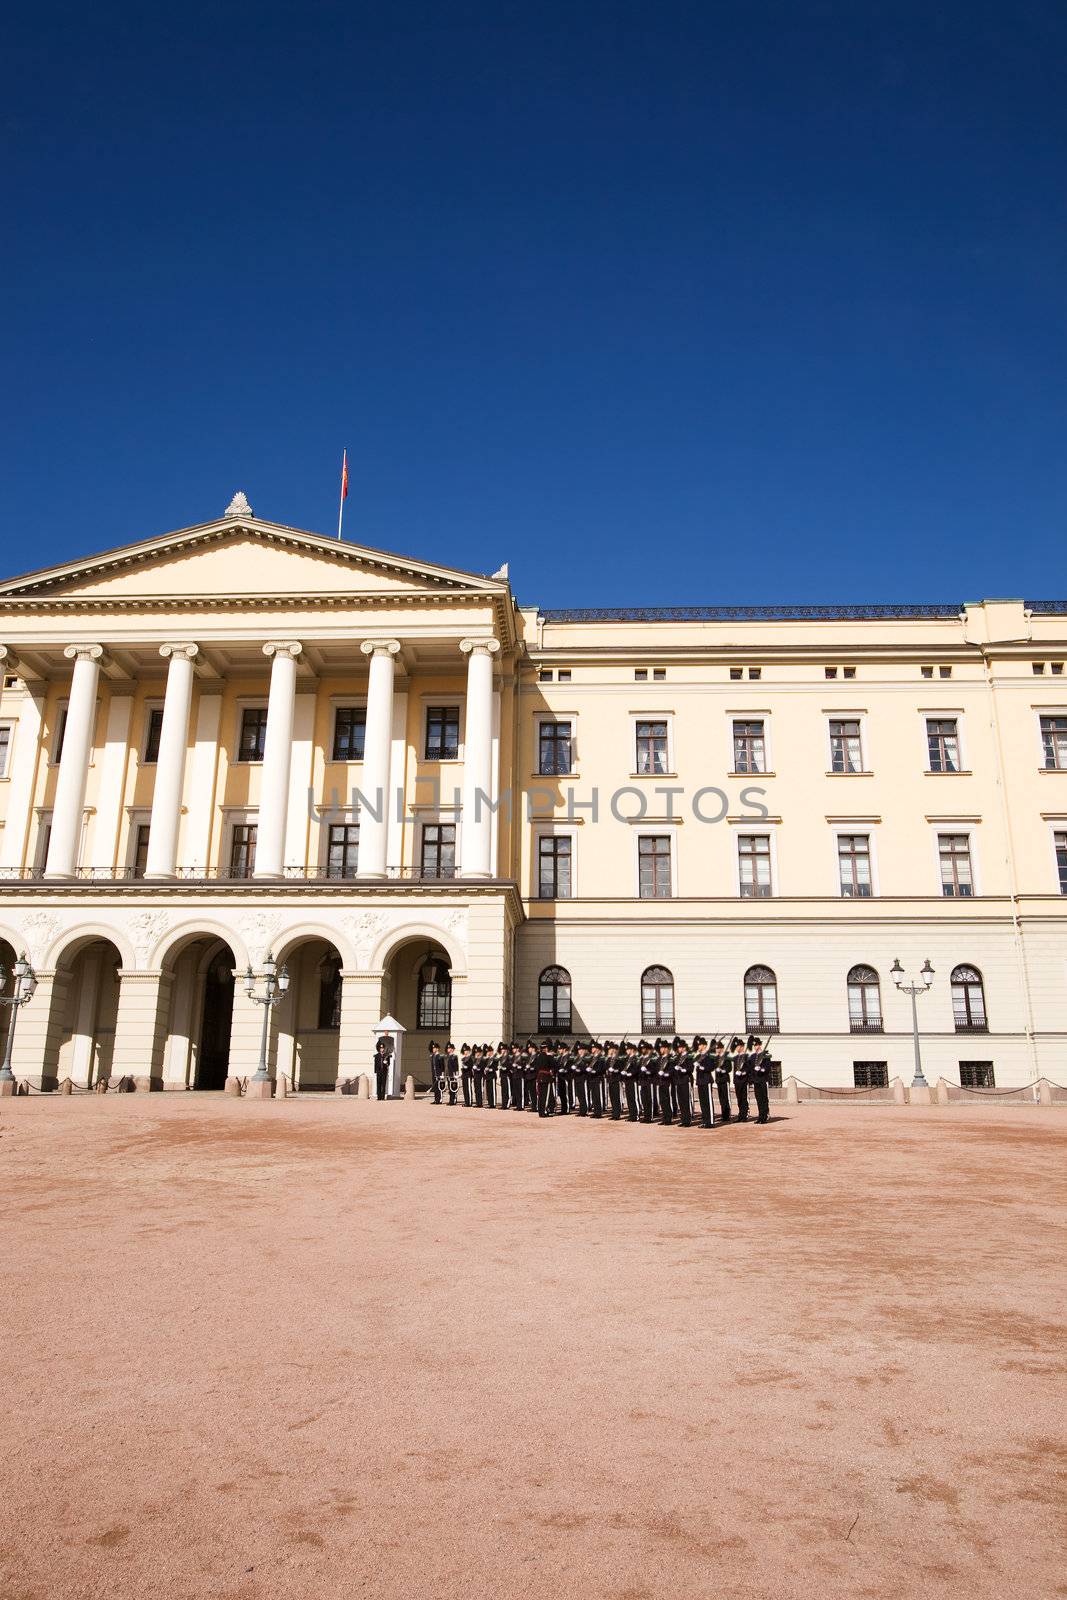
21 993
275 985
915 988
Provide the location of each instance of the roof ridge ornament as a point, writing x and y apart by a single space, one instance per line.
239 506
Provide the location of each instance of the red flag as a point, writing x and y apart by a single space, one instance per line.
344 476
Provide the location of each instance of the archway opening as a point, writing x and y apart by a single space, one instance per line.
216 1017
7 965
306 1026
417 991
200 1012
85 1003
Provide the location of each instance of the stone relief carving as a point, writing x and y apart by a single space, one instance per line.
364 928
39 928
456 924
145 930
258 932
238 506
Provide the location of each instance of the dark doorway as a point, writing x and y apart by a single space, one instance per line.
214 1057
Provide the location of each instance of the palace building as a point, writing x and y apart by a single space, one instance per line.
490 820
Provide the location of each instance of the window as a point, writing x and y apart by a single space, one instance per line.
61 734
155 728
330 991
864 1001
848 672
736 673
1060 841
1054 742
657 1000
6 732
554 867
943 744
545 675
1037 667
750 747
253 733
854 865
435 996
654 866
438 850
761 1000
754 865
140 850
870 1074
846 754
829 672
11 680
554 1001
1057 669
640 674
954 852
564 675
652 747
977 1075
442 733
659 674
349 733
927 672
968 1001
755 673
243 850
554 748
944 672
342 850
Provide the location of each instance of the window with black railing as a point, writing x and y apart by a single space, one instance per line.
438 854
554 748
554 1001
968 1000
342 850
349 733
864 1001
657 1000
442 733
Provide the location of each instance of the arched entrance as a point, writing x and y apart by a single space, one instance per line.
85 1003
7 962
200 1013
306 1026
417 990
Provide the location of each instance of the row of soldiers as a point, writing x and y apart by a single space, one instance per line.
641 1080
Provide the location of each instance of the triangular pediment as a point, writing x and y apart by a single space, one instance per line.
238 558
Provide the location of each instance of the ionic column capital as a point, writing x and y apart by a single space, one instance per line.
384 647
283 647
184 651
491 647
84 652
8 658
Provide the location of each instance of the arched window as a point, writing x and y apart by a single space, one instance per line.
864 1001
330 991
434 1009
554 1000
657 1000
761 1000
968 1000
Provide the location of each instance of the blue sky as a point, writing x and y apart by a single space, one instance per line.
659 302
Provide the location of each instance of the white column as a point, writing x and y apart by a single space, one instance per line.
377 751
170 762
25 760
202 781
476 843
277 754
114 761
67 812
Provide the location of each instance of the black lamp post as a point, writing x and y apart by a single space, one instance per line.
25 984
275 984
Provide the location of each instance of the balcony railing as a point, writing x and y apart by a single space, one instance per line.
227 875
971 1027
866 1025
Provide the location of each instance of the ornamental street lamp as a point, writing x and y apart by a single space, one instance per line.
22 992
275 984
917 987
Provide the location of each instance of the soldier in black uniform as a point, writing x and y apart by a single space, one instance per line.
545 1078
563 1081
529 1077
665 1082
437 1072
581 1078
383 1054
722 1078
704 1065
613 1070
682 1082
477 1073
503 1061
739 1073
596 1068
629 1080
451 1072
646 1079
466 1074
489 1076
517 1081
759 1074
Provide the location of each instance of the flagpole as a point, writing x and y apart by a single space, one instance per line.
344 492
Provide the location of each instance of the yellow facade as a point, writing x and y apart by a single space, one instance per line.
708 756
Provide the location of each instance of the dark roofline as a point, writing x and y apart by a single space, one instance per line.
843 613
